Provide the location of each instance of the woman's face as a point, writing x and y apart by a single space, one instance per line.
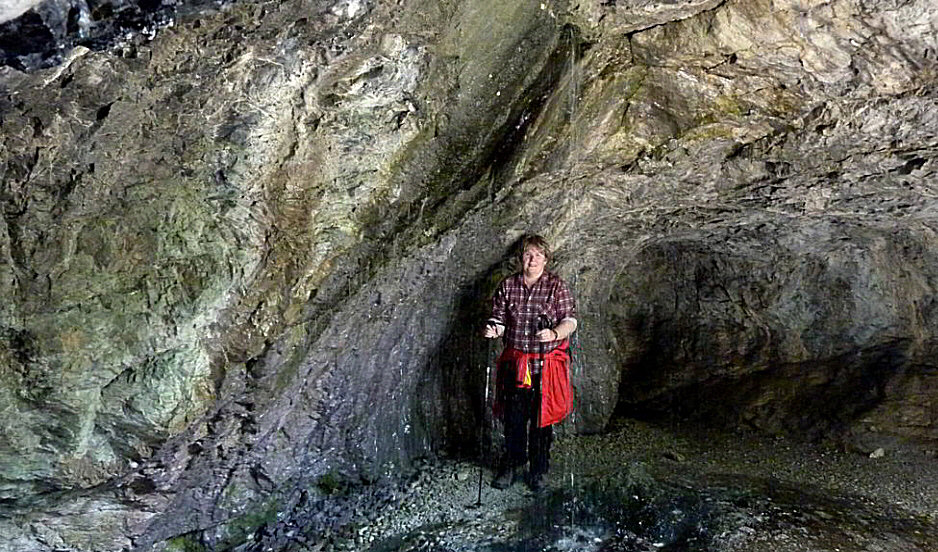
533 260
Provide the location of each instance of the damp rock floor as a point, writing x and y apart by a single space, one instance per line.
648 488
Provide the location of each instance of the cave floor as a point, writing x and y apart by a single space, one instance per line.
646 487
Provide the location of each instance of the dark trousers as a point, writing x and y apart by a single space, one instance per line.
524 441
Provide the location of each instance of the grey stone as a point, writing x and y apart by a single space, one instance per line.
247 263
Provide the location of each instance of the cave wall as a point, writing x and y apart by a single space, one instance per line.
248 254
718 334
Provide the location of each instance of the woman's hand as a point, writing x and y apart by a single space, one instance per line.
547 335
492 331
561 331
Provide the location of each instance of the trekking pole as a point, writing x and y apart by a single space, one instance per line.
485 404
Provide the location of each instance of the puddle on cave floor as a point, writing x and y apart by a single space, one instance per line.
644 489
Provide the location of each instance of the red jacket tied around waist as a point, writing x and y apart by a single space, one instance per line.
556 395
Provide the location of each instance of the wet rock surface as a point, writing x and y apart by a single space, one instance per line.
622 491
248 255
35 34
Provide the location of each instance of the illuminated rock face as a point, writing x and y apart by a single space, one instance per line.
252 252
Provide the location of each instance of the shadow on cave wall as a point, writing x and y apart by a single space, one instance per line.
812 400
708 337
462 361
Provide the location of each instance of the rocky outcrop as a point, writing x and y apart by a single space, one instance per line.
246 259
39 33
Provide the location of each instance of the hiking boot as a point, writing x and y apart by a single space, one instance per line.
505 478
537 481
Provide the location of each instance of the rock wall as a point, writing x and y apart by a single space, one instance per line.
248 256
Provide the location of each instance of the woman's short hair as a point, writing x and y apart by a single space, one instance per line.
534 240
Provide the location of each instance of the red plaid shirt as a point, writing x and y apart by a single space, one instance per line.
525 311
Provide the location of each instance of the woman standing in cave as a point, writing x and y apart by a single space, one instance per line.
534 312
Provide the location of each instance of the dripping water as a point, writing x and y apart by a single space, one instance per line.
569 467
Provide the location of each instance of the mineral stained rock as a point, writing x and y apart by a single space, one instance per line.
243 262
